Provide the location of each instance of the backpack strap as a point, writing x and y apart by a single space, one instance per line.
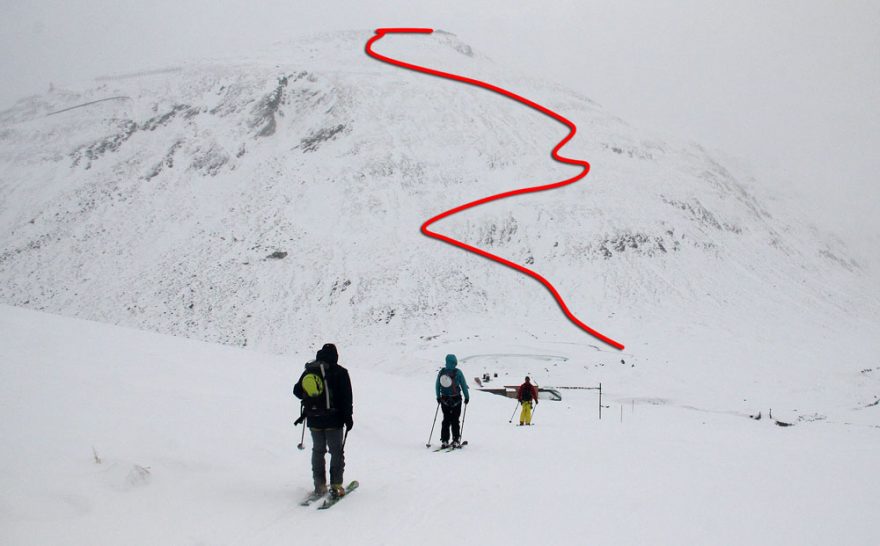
326 386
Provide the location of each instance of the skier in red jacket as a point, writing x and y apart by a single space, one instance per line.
527 395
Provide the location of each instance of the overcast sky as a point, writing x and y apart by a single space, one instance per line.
792 87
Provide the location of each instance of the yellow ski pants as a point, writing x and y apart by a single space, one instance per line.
525 416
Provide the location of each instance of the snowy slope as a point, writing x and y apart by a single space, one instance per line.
117 436
161 206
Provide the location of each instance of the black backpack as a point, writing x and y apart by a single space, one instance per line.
317 397
448 384
526 392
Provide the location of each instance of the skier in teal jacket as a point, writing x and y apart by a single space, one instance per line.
449 387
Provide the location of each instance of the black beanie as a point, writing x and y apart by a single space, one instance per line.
328 354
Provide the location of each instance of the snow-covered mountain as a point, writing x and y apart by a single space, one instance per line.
274 202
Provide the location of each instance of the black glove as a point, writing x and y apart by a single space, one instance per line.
466 401
438 399
349 423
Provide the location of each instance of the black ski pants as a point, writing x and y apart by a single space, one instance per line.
451 414
324 440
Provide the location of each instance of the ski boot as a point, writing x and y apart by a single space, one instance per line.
337 490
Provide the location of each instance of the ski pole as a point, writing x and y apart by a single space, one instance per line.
302 446
514 411
461 432
344 438
432 425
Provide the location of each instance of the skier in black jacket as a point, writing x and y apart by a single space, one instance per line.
327 406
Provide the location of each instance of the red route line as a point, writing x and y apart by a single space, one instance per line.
380 33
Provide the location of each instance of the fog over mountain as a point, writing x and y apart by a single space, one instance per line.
788 88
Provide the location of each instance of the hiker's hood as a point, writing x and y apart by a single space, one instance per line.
451 362
327 354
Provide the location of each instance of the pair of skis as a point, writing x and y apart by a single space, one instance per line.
449 448
329 500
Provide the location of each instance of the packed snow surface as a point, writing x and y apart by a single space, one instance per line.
117 436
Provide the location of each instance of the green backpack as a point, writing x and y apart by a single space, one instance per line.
317 400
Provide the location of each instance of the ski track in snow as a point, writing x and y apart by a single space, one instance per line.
585 168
